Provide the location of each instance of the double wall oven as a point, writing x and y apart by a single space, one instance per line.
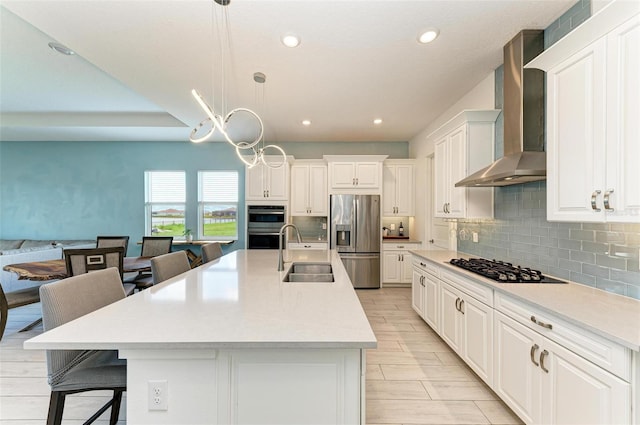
263 224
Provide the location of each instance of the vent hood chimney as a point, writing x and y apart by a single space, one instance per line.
523 112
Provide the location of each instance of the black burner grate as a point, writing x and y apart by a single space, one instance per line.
502 271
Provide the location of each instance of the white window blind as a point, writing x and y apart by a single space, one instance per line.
166 186
219 186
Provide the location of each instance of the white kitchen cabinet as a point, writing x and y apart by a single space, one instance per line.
355 172
397 265
426 292
593 105
397 188
264 183
544 383
309 195
467 326
462 146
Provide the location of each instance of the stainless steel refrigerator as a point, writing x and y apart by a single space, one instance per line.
355 233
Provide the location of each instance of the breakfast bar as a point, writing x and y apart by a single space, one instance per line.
232 342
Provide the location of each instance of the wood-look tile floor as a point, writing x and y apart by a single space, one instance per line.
412 377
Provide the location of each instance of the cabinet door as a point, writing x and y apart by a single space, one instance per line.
406 267
623 123
576 391
367 174
254 183
441 177
457 171
576 135
318 198
300 190
404 190
516 379
389 190
278 186
391 266
342 175
417 292
431 301
450 321
477 346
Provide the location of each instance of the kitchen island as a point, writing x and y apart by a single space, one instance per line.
233 343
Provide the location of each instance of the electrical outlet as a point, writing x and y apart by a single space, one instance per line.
158 392
475 236
324 226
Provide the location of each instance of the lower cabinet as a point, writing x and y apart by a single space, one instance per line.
544 383
397 266
546 369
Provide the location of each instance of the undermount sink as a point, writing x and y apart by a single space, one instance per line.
309 272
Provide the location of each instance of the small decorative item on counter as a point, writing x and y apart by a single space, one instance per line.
188 235
400 230
385 232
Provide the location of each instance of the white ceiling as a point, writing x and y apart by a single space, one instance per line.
138 60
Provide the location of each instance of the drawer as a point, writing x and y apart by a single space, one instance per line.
307 245
400 246
482 293
604 353
426 266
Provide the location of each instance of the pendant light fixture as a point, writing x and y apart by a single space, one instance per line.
218 122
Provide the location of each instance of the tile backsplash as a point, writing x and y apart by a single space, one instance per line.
602 255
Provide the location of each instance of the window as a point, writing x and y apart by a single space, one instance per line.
165 200
218 205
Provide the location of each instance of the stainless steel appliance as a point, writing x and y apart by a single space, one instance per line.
263 224
355 234
502 271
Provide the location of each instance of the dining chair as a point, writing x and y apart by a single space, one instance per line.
211 251
81 261
169 265
152 246
110 241
76 371
13 299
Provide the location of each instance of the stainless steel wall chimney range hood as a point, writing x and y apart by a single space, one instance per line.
523 109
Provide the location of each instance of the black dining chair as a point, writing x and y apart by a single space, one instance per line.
111 241
152 246
81 261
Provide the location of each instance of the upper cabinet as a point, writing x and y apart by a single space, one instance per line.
309 188
593 118
264 183
397 188
462 146
360 173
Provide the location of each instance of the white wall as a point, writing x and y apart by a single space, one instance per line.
481 96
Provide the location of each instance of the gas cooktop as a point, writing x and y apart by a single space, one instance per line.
502 271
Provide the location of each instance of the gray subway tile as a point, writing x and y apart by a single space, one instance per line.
625 276
633 292
560 273
597 271
582 235
603 227
573 266
611 262
611 286
610 237
596 248
569 244
583 278
583 257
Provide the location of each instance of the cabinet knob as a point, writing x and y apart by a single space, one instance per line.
594 197
544 354
606 200
432 241
532 354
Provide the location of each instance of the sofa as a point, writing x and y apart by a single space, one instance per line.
14 251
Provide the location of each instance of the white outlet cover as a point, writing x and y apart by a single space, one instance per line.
158 395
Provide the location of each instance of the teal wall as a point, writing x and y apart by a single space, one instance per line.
77 190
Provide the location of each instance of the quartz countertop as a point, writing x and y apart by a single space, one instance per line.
609 315
237 301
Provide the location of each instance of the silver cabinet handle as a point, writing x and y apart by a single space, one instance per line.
458 303
357 181
444 207
539 323
400 246
544 354
594 196
401 257
462 306
532 354
606 200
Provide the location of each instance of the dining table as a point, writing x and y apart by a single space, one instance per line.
57 269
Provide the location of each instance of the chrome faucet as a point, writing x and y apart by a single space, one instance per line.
280 260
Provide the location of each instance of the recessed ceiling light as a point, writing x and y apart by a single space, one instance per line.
377 121
306 122
428 36
290 40
61 48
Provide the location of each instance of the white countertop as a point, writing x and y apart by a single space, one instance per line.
612 316
238 301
